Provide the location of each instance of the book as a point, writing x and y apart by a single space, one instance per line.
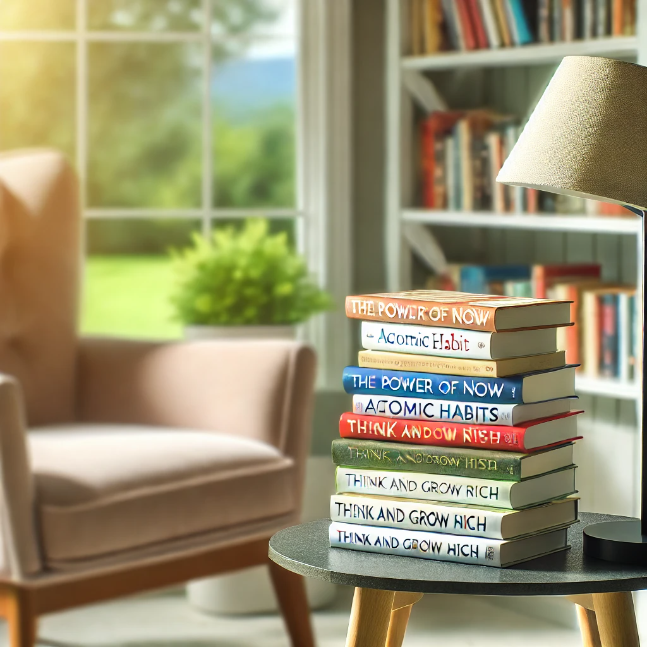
602 13
588 19
465 24
453 25
452 518
544 21
625 335
517 19
556 21
458 310
609 335
489 20
568 20
533 435
449 342
546 276
499 11
432 21
617 17
449 548
456 366
458 489
476 279
456 461
416 32
480 413
478 24
516 389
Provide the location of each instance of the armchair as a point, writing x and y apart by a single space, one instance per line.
127 466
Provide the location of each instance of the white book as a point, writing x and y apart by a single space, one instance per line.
446 548
477 413
458 489
454 519
454 342
489 20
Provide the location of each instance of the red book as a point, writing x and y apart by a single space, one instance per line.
524 438
466 24
477 22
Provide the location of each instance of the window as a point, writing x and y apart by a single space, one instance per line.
180 116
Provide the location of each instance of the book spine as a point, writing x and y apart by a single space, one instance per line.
609 335
478 23
543 20
407 543
573 350
465 162
466 24
591 334
428 161
450 21
617 17
489 19
416 515
439 434
521 22
422 340
420 409
588 19
568 21
502 22
624 336
410 485
425 313
427 459
368 381
601 18
557 35
512 23
439 180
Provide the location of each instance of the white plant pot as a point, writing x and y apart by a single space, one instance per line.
250 591
240 332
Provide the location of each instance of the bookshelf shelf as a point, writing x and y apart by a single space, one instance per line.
617 47
608 388
585 224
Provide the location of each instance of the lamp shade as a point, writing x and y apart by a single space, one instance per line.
587 136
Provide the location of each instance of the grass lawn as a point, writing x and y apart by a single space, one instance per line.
128 296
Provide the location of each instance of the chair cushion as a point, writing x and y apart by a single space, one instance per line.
102 489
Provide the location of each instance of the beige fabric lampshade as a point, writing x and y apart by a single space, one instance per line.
588 134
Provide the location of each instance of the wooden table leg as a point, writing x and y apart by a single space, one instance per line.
588 627
401 610
616 619
369 618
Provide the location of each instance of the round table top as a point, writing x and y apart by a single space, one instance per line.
305 549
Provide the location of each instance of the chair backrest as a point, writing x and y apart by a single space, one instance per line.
39 272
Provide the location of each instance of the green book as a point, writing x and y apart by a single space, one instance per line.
456 461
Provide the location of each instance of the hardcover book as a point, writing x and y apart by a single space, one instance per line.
522 438
474 521
427 459
448 548
458 489
507 415
449 342
517 389
489 313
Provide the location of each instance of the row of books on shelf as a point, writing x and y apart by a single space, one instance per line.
462 152
438 25
453 451
604 337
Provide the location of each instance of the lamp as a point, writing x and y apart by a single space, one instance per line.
587 137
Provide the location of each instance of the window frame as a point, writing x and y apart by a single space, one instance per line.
323 186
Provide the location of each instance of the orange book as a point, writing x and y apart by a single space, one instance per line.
433 18
466 24
617 17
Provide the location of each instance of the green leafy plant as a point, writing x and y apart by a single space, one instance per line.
245 276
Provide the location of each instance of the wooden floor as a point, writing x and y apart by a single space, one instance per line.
168 621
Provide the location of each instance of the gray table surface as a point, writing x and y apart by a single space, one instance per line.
305 549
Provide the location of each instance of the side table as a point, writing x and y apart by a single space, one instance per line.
387 586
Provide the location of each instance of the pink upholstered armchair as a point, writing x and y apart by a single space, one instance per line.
129 465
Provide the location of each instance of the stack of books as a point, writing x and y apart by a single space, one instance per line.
460 443
462 25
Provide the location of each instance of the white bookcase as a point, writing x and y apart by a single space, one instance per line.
511 80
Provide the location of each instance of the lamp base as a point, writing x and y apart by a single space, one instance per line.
616 541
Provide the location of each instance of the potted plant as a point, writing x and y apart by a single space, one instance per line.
244 282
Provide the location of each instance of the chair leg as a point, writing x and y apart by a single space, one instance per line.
369 618
398 626
588 627
616 619
291 594
17 609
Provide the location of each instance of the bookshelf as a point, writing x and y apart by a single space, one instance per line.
511 80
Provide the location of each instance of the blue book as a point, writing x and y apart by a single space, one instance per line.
517 389
524 35
477 278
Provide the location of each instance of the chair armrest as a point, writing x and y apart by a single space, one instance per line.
257 389
17 487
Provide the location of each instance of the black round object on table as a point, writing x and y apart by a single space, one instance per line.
305 550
